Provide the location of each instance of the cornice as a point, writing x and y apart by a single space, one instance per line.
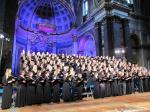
139 16
118 6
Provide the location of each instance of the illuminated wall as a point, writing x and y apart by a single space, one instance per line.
45 26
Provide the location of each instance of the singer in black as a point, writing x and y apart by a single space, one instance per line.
8 81
21 90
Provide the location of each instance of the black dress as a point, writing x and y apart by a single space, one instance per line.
107 87
132 84
77 87
146 84
7 92
114 86
57 83
30 95
128 85
96 91
66 90
136 82
40 90
120 87
102 87
21 92
123 83
140 86
149 83
47 96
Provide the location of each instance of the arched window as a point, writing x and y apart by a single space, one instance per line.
85 8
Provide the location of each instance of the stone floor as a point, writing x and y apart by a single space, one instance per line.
130 103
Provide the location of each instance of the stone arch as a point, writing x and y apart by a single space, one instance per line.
135 41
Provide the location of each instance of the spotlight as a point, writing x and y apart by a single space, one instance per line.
2 36
122 51
119 51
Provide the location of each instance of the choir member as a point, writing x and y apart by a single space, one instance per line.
21 90
47 87
146 83
96 92
102 82
56 85
80 82
40 87
123 82
140 82
66 88
31 94
107 83
128 84
114 85
8 81
120 91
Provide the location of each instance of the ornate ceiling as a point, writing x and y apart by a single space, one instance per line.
48 16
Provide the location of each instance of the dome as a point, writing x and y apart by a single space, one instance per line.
48 16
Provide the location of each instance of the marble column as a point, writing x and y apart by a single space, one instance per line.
108 35
127 39
54 47
137 5
114 33
98 39
28 46
75 45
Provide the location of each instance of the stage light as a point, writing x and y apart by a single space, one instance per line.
119 51
122 51
2 36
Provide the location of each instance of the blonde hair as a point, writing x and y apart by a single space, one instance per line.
8 73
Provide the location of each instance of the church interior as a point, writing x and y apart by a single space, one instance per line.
83 52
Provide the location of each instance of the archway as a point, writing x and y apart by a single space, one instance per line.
87 45
135 42
43 26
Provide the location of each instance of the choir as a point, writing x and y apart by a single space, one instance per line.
46 78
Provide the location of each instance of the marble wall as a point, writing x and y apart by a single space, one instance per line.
111 34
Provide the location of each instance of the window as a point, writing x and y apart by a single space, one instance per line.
130 1
85 8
